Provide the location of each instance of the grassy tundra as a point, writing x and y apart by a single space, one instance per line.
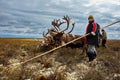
63 64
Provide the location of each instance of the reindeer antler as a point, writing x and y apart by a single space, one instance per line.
44 35
67 19
54 24
73 25
57 23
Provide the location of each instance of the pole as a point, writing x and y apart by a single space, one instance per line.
110 24
54 49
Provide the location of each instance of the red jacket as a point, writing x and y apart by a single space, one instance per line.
91 27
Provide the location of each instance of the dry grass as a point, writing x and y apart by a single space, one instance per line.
63 64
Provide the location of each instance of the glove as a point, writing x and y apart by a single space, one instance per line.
93 33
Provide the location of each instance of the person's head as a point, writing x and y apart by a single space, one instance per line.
102 30
90 18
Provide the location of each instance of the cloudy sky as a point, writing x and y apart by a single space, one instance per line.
29 18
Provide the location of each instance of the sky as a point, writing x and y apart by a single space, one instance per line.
29 18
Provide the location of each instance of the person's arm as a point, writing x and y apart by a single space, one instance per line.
94 29
104 34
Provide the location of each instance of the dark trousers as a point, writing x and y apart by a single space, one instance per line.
104 43
91 52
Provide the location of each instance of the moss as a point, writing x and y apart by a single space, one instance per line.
94 75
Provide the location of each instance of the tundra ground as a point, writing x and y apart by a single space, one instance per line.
62 64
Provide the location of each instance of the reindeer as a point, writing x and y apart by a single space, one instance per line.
60 37
66 37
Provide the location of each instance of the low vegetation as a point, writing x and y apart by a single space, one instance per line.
62 64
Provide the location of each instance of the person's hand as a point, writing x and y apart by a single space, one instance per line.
93 33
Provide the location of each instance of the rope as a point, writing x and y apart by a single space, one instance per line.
63 45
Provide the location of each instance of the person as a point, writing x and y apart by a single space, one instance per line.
104 38
92 40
